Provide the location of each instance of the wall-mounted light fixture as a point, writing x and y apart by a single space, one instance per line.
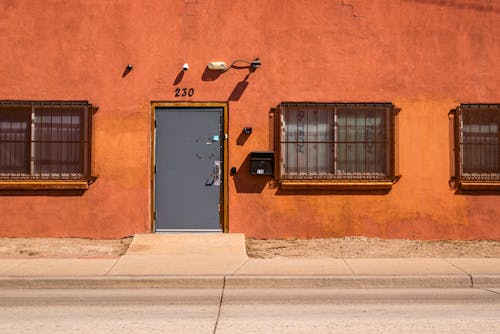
217 66
221 66
185 67
255 63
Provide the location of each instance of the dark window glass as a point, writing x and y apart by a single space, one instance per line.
15 127
44 141
335 141
479 143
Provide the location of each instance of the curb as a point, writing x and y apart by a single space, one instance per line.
486 281
113 282
351 281
249 282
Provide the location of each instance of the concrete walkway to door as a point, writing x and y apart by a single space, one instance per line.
184 254
215 260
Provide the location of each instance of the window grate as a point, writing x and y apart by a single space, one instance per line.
336 141
478 142
45 140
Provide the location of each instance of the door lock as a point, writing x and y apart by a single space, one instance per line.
217 172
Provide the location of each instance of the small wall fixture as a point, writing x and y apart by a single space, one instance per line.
127 70
217 66
247 130
185 67
255 63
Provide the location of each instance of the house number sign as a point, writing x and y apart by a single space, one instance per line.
181 92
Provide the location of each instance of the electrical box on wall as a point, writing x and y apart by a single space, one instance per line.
262 163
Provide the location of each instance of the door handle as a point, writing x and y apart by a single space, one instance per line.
217 172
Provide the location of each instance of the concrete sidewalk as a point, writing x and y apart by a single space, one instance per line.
212 261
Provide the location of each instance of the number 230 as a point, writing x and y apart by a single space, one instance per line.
184 91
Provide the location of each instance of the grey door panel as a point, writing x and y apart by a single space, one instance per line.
188 179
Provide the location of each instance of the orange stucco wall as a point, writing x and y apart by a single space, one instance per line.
424 56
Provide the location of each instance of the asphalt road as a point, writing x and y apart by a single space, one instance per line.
250 311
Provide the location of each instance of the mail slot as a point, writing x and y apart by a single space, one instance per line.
261 163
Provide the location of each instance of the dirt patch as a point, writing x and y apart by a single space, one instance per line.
62 247
264 249
369 248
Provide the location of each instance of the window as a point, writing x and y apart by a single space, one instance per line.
477 143
337 141
45 141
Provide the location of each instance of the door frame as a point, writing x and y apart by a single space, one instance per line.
224 190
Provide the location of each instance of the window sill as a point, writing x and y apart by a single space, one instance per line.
480 185
46 185
336 185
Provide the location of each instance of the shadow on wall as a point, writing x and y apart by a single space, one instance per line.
462 4
485 192
247 183
242 138
210 75
238 90
281 192
178 78
42 192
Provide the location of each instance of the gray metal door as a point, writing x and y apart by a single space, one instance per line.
189 169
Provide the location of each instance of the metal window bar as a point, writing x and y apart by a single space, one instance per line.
478 132
354 156
45 140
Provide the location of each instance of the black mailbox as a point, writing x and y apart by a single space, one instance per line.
262 163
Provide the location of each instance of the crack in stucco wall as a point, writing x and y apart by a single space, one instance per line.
353 13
